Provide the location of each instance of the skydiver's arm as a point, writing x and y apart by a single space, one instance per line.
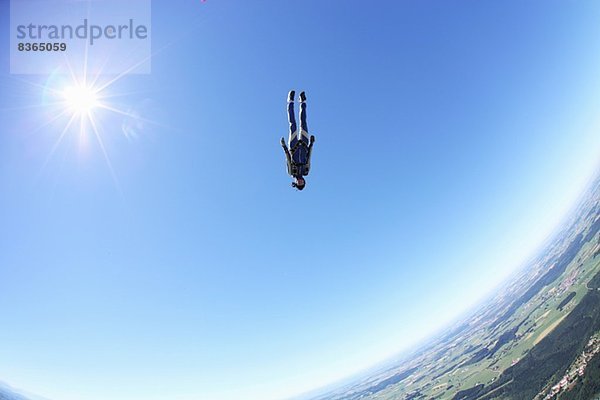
312 141
286 151
288 157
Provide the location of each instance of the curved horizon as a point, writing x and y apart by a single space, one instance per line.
425 342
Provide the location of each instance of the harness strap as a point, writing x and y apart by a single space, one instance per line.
298 143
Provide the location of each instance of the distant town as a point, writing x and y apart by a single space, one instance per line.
576 370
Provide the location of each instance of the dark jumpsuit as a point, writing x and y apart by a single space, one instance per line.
298 142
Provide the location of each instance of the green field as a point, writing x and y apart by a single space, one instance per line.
519 343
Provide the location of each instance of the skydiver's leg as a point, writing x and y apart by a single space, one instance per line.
303 124
293 136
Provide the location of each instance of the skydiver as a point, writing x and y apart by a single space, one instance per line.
298 150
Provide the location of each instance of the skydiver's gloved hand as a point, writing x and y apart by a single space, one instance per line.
312 139
283 142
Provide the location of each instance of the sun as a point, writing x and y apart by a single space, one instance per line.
80 99
84 103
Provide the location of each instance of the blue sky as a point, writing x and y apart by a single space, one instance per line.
451 140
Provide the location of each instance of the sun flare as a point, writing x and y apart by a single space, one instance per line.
80 99
83 106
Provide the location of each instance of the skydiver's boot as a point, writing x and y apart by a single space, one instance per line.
302 97
291 96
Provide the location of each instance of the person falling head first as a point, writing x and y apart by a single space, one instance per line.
299 146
